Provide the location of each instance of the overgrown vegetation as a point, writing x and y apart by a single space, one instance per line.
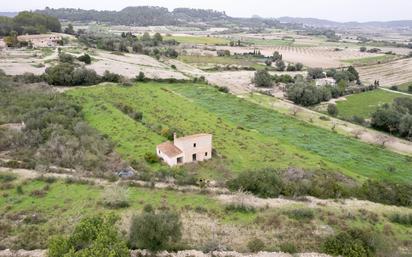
53 132
28 23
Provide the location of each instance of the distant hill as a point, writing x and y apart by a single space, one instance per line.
321 23
8 14
156 16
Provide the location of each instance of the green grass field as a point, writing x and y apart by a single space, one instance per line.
246 136
199 40
405 87
364 104
371 60
269 42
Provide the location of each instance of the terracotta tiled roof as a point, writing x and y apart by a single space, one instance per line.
169 149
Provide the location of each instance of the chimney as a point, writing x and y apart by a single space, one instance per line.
174 136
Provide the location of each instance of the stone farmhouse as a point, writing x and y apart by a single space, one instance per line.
186 149
42 40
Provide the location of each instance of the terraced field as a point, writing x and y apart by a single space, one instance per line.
389 74
246 136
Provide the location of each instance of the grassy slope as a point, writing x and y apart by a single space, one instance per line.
360 158
270 139
239 149
365 104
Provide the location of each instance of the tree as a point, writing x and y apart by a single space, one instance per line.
157 37
363 49
69 30
405 126
85 58
11 41
141 77
277 56
92 237
280 65
332 109
383 139
146 37
299 66
316 73
262 79
155 230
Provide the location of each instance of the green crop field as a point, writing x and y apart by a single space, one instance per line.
246 136
269 42
199 40
364 104
371 60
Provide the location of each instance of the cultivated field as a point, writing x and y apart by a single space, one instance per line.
325 57
364 104
388 74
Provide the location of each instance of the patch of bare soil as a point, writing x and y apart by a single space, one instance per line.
129 65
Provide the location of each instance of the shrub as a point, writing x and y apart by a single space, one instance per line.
288 248
240 207
115 197
66 58
403 219
19 190
151 158
111 77
263 183
155 230
7 177
358 120
395 88
352 243
262 78
85 58
223 89
332 109
141 77
256 245
301 214
94 236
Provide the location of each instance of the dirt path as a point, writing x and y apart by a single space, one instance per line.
222 194
186 253
396 92
342 127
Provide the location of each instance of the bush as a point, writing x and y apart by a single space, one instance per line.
94 236
115 197
301 214
85 58
394 88
288 248
155 230
223 89
403 219
316 73
151 158
262 78
264 183
332 109
358 120
141 77
66 58
111 77
353 243
256 245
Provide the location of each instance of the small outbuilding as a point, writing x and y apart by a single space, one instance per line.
186 149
